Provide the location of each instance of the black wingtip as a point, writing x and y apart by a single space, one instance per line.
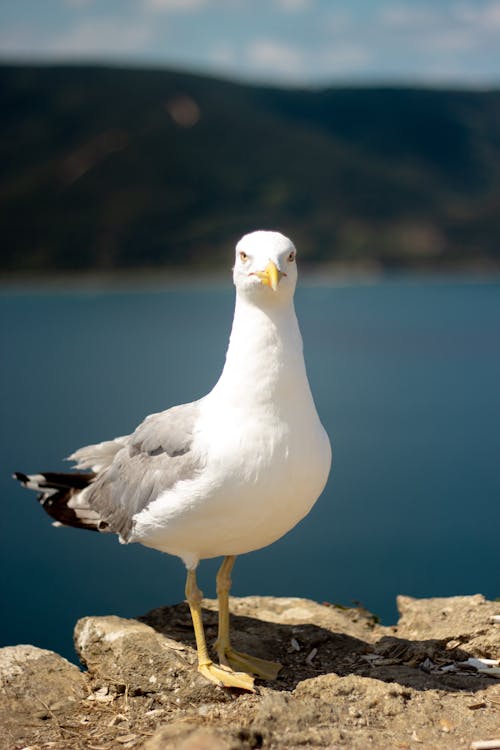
20 477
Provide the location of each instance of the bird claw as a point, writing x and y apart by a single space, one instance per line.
226 677
266 670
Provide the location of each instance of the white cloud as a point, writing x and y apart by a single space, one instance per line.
173 6
292 41
408 16
101 37
439 30
16 41
453 40
275 56
222 53
345 57
293 6
457 21
484 16
78 3
339 20
283 62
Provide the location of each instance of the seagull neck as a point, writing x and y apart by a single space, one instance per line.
265 348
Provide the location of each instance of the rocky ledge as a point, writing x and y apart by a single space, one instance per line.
429 682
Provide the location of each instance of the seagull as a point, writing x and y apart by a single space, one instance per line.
221 476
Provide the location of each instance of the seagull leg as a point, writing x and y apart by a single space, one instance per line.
222 675
267 670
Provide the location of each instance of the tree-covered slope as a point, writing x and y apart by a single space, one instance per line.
104 168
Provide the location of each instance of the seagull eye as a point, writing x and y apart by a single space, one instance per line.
291 257
243 257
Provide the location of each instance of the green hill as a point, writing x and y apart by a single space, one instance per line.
107 168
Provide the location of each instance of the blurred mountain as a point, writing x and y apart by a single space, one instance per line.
105 168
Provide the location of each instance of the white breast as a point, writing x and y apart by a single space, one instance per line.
261 477
265 456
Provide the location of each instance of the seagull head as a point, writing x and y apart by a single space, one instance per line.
265 268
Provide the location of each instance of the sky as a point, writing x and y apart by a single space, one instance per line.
291 42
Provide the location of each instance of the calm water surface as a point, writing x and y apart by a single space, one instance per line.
406 377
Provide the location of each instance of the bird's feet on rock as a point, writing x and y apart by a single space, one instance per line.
226 677
266 670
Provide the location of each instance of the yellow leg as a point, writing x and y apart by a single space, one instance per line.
220 675
228 657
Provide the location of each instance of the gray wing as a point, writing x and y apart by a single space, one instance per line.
153 459
168 432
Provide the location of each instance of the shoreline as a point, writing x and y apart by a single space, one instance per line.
165 279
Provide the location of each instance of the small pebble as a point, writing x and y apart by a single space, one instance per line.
311 656
445 725
126 738
117 720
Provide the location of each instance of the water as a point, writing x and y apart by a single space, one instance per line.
406 376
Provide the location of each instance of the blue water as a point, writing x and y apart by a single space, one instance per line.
406 376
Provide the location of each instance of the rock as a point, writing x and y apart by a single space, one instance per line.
40 678
285 720
385 715
346 682
182 736
35 684
462 621
129 655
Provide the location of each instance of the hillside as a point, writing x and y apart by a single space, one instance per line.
105 168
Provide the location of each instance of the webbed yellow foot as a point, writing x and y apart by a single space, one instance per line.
266 670
226 677
228 657
221 675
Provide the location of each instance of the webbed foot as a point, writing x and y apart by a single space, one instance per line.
253 665
226 677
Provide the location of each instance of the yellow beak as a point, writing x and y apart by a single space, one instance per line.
270 276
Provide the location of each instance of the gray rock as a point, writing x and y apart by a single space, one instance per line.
182 736
130 656
35 685
463 621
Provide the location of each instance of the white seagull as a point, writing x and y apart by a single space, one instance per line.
225 475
